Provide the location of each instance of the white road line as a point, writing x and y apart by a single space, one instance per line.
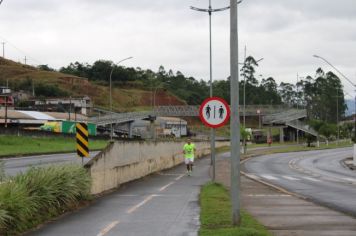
349 179
311 179
166 186
268 195
269 177
289 177
179 177
134 208
108 228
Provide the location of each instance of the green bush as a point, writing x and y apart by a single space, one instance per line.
41 193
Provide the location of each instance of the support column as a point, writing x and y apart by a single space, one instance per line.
281 135
152 127
130 129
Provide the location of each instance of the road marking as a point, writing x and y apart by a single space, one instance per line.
134 208
167 174
179 177
108 228
289 177
349 179
268 195
311 179
166 186
269 177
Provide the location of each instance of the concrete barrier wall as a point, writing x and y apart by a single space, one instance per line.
122 162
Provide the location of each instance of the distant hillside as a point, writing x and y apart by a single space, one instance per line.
55 84
350 107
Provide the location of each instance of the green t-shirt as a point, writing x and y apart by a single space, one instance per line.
189 150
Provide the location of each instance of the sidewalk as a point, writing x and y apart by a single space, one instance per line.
284 214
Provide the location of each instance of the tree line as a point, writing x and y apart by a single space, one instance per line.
321 95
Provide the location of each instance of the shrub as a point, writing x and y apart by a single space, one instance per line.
39 194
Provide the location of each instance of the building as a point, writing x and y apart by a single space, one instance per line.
81 105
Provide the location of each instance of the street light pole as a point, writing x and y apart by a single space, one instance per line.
110 97
235 118
354 85
210 10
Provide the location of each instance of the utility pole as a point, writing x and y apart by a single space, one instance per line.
210 10
337 115
297 107
25 60
235 118
3 48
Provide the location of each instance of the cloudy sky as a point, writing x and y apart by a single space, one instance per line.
286 33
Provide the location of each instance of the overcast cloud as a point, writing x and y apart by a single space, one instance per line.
286 33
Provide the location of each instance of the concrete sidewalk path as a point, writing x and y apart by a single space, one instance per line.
162 204
284 214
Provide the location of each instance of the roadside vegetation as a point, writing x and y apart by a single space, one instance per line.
17 146
41 194
215 215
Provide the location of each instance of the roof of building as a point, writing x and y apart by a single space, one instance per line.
19 116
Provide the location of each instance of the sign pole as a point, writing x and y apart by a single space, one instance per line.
235 119
214 112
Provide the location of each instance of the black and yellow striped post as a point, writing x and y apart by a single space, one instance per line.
82 140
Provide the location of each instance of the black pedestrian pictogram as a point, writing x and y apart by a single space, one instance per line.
207 111
221 112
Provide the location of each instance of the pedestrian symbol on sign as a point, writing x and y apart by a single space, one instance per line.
208 109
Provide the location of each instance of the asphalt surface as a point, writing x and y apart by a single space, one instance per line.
316 175
165 203
16 165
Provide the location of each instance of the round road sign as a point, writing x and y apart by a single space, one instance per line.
214 112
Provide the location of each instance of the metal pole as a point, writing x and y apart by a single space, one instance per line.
110 101
337 115
245 88
3 50
234 120
297 108
212 131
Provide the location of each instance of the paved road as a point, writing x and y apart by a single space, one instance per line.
317 175
160 205
13 166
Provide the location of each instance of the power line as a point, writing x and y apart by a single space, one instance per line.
20 50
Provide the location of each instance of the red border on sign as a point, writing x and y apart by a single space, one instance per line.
227 112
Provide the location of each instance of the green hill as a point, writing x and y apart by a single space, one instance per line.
54 84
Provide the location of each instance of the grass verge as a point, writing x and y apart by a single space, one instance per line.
278 148
215 215
11 145
40 194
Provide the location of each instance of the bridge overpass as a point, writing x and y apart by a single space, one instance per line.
271 116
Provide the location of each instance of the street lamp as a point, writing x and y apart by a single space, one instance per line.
210 10
354 85
244 98
110 98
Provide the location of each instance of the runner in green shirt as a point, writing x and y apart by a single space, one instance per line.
188 151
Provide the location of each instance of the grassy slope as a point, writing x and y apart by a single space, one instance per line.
14 145
123 99
216 215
